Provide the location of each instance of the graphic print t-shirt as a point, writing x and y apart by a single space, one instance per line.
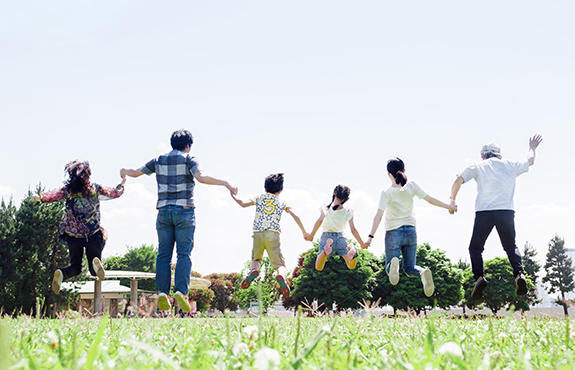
269 209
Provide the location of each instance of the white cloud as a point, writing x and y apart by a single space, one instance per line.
7 191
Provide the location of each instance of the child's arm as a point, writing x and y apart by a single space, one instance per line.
376 222
356 234
242 203
316 226
297 220
431 200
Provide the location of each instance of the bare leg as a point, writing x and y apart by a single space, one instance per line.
255 265
350 258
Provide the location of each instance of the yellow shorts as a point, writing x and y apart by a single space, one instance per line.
268 240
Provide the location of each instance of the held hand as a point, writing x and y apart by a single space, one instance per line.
535 141
364 246
452 208
233 190
367 243
308 237
123 180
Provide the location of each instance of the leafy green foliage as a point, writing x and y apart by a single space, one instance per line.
31 252
335 283
501 289
266 279
408 293
141 259
531 267
559 271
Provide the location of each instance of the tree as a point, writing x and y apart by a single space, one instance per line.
501 289
408 293
266 279
223 286
335 283
141 259
202 297
559 271
531 267
7 254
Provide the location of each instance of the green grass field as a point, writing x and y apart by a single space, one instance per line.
270 343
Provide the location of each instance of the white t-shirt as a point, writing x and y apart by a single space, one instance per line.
495 182
398 205
335 221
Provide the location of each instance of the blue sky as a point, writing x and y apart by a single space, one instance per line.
324 91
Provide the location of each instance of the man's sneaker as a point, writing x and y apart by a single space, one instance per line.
97 265
427 280
480 284
164 302
394 271
248 280
182 301
57 281
521 284
284 288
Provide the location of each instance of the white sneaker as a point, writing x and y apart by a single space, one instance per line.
57 281
164 302
427 280
394 271
182 301
97 265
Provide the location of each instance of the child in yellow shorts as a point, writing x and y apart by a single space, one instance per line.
269 209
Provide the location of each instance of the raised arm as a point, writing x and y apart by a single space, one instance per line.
316 227
209 180
533 144
297 220
431 200
242 203
356 234
376 221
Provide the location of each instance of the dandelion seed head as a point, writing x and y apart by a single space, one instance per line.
451 348
267 359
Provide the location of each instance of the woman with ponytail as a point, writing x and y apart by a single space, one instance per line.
333 219
80 229
400 235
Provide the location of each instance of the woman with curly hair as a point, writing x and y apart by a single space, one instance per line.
80 229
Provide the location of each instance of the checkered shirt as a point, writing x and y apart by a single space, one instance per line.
175 177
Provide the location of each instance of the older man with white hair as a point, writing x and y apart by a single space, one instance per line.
494 207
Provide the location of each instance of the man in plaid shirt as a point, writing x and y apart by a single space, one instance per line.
176 172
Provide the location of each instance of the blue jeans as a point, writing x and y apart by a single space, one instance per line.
402 240
339 243
175 224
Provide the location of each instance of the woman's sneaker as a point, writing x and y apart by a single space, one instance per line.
394 271
57 281
427 280
97 265
521 284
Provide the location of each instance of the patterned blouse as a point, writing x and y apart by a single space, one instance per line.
82 217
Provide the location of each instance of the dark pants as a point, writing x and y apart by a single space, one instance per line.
94 244
504 222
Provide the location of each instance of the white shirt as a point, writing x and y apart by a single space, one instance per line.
398 205
335 221
495 182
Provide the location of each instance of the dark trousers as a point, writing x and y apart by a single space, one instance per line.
504 222
94 244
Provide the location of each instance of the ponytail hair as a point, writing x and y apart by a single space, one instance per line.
342 192
396 168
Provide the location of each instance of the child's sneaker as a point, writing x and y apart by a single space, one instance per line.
284 288
480 285
97 265
248 280
394 271
427 280
521 284
57 281
164 302
327 249
182 301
